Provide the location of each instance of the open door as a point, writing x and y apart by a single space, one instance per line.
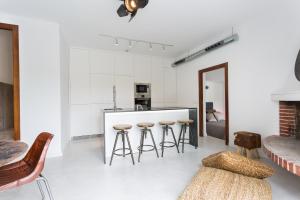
9 81
214 102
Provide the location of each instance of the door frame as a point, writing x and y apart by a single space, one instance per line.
16 75
201 98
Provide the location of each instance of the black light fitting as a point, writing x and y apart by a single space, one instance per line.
130 7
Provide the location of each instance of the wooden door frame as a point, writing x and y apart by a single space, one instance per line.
16 75
201 100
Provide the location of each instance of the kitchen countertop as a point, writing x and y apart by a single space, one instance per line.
152 109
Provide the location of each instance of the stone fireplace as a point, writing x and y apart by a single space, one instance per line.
289 116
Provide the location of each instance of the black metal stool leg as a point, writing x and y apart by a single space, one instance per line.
163 142
180 134
123 141
153 142
143 140
129 147
113 152
141 144
183 138
174 139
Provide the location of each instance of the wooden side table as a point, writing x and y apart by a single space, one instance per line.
248 143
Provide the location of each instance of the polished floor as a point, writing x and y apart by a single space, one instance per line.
81 175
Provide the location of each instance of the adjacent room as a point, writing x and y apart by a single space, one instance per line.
149 99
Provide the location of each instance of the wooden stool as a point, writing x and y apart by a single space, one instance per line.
122 130
166 125
145 127
184 125
248 143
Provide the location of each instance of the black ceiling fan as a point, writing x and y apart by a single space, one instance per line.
130 7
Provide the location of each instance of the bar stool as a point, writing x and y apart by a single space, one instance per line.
184 125
122 130
145 127
166 126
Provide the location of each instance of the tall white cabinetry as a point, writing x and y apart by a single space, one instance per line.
93 74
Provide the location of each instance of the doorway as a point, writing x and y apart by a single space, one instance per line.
9 82
214 102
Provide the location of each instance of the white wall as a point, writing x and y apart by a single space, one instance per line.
64 80
92 76
216 94
260 63
6 58
39 79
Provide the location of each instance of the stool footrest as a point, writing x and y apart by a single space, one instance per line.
147 150
121 149
183 141
172 144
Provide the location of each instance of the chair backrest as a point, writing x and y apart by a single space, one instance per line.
36 156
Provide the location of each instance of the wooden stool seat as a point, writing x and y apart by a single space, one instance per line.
145 125
187 122
166 123
122 127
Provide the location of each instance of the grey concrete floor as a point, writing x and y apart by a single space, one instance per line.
81 175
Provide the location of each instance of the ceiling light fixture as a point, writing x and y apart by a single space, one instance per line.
150 47
130 7
132 42
117 42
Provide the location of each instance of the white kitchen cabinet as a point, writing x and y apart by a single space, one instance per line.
124 64
170 85
79 76
142 68
80 120
101 88
125 91
157 83
101 62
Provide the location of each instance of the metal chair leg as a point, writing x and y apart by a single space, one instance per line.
129 147
141 144
183 138
153 142
47 187
143 140
163 142
174 139
180 135
123 141
41 189
113 151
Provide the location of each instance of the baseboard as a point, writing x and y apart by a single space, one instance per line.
84 137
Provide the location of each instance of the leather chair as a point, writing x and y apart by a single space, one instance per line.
28 169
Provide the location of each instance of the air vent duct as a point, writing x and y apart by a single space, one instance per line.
206 50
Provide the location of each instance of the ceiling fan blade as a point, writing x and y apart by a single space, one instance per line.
142 3
122 11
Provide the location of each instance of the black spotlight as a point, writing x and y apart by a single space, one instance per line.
131 7
122 11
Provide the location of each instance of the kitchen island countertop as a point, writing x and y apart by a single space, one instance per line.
152 109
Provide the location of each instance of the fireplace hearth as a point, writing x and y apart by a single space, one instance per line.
289 113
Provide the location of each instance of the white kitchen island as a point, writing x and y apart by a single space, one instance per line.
155 115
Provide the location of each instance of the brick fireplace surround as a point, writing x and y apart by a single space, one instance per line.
285 149
289 113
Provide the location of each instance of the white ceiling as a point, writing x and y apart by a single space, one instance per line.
185 24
